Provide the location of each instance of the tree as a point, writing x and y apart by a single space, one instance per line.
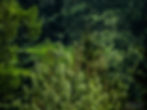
12 17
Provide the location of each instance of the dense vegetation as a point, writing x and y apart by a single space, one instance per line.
73 55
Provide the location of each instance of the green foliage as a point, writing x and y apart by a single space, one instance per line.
57 85
103 67
12 17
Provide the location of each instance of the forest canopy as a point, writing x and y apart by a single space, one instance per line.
73 54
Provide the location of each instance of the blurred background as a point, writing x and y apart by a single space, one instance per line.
73 54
